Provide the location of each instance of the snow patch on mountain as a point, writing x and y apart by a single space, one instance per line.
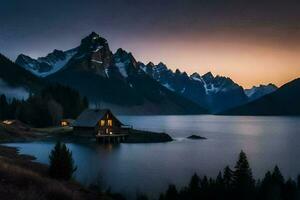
168 86
122 68
96 61
59 64
97 49
259 91
45 66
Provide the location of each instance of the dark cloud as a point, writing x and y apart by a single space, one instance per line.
35 27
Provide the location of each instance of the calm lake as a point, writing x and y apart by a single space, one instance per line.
131 168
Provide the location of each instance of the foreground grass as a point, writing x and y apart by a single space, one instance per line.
20 183
23 179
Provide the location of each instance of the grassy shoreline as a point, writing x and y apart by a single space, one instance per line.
23 178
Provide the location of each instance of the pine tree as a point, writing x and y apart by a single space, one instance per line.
194 183
227 176
172 193
243 182
61 162
194 187
277 176
219 179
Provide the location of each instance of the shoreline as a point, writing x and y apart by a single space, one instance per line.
18 171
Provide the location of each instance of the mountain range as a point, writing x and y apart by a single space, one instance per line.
118 81
284 101
109 80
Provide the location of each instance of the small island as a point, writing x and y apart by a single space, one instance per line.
196 137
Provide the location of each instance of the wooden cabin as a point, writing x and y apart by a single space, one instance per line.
100 123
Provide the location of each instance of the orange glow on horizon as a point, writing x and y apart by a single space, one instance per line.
247 62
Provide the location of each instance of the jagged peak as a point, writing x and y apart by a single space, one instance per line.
177 71
23 58
264 86
151 64
272 85
120 50
195 75
121 54
92 39
55 51
185 74
161 64
208 75
23 55
140 63
94 35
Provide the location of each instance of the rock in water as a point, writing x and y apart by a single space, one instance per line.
196 137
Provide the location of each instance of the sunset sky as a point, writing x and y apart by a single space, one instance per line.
253 42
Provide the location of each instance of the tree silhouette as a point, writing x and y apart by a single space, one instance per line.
61 162
227 176
242 182
237 185
172 193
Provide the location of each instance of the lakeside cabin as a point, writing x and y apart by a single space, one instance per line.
102 124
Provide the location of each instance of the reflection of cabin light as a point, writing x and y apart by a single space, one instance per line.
110 133
8 122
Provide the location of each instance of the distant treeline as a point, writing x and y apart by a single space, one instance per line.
232 184
46 108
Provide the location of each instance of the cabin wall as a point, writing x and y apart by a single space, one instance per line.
103 123
85 131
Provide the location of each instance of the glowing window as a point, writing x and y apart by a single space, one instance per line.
63 123
102 122
109 122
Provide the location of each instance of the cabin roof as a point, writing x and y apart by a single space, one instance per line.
90 117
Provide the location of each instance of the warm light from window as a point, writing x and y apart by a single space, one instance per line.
8 122
64 123
109 122
102 122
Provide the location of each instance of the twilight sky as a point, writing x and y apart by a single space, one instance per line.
251 41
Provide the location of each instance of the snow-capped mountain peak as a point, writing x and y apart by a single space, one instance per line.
44 66
195 76
208 76
125 62
258 91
